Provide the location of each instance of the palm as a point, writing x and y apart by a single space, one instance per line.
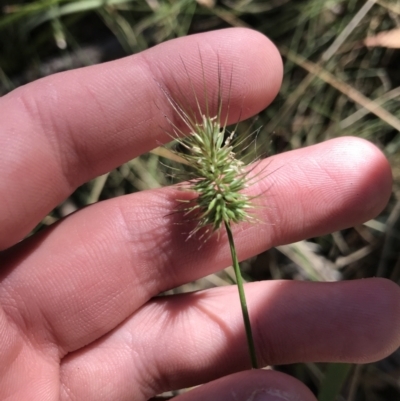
79 320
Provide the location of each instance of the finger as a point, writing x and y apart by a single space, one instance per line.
109 259
194 338
251 386
59 132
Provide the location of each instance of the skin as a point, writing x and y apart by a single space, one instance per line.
78 317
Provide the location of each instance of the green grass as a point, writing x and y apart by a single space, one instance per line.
319 39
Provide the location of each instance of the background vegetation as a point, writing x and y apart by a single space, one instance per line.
341 78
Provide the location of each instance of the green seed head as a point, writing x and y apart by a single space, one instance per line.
217 176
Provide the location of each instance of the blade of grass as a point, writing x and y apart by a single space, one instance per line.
348 30
326 56
346 89
315 267
335 376
348 121
98 186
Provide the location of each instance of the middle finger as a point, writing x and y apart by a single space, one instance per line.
110 258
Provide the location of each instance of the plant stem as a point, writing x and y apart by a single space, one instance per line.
243 303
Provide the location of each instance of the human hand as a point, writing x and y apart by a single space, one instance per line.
78 317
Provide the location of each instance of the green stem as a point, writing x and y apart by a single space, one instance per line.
243 304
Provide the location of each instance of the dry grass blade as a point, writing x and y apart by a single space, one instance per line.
167 154
348 30
98 185
343 261
315 267
343 87
326 56
362 112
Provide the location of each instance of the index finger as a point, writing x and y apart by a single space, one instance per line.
61 131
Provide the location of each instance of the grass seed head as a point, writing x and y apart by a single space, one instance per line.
217 176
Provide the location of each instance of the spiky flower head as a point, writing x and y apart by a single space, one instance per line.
217 176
